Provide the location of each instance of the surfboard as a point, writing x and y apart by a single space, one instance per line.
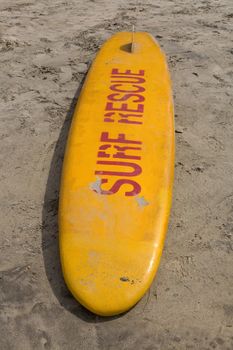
116 186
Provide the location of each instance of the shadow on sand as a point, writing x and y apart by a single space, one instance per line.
50 245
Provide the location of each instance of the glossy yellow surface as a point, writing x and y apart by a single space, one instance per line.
116 193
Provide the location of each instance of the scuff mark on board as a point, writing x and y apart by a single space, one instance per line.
125 279
96 185
142 202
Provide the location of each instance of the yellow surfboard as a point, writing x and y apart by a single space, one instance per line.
116 186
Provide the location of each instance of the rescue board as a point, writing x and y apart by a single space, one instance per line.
117 176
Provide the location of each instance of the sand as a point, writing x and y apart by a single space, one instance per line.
45 50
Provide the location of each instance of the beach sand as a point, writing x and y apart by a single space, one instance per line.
46 48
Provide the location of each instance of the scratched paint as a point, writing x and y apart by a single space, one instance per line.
142 202
96 185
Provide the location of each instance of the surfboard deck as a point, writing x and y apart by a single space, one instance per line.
117 177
